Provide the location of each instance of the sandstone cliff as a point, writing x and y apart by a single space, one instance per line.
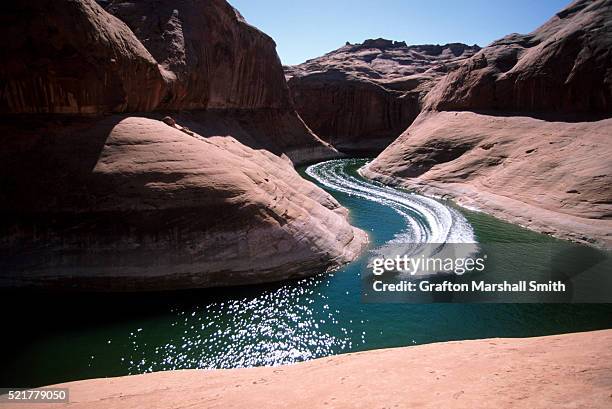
213 59
563 67
175 55
130 203
536 148
362 96
565 371
97 196
210 56
71 57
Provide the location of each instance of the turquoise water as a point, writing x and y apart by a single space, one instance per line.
61 337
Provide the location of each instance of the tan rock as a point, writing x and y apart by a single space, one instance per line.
133 203
71 57
213 60
561 371
538 152
130 203
551 177
563 67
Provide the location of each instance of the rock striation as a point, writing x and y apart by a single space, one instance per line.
563 67
522 130
131 203
210 56
154 160
77 59
170 56
362 96
569 370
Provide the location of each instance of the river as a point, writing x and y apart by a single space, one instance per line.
86 336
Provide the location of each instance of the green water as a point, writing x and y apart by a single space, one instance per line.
52 338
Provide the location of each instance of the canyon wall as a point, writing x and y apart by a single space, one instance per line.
171 56
522 130
562 68
76 59
137 160
211 57
129 203
362 96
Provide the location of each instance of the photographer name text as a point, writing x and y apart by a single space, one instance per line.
474 286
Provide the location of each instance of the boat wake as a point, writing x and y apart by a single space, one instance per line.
427 220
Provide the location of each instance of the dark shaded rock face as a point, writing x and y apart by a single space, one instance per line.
132 203
81 59
77 59
362 96
565 66
175 55
124 163
209 55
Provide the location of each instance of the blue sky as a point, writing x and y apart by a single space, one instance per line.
307 29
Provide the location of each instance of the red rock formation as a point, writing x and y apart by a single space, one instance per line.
213 60
512 160
128 202
197 55
210 56
70 57
539 174
362 96
565 66
131 203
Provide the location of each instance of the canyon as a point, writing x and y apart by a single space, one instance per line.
152 146
136 160
521 130
360 97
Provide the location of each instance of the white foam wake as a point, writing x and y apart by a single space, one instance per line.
427 220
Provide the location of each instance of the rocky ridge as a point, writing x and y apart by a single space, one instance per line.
170 56
147 206
362 96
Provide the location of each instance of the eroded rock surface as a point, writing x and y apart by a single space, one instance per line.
362 96
71 57
563 67
569 371
210 56
131 203
99 193
538 149
172 55
213 60
538 174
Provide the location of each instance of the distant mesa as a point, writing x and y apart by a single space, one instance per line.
381 44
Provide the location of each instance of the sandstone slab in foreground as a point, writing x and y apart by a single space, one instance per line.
561 371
